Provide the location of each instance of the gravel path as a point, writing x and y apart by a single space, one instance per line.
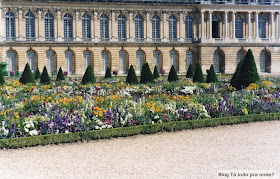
189 154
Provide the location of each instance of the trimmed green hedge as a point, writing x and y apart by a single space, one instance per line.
135 130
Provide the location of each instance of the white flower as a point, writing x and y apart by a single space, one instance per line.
26 129
156 117
33 132
66 132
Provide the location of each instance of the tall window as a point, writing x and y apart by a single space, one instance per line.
49 26
30 26
240 55
139 60
123 62
189 27
172 28
69 62
121 28
189 58
139 35
86 27
238 27
68 27
157 59
11 61
31 60
262 29
105 60
219 61
10 26
265 61
51 65
215 27
156 28
87 59
104 27
173 59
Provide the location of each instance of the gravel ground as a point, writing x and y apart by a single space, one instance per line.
200 153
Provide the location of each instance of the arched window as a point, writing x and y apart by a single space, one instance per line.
139 60
104 27
139 35
219 61
240 55
68 27
30 26
10 26
86 27
265 61
238 27
172 28
105 56
157 59
51 64
121 28
69 62
174 59
87 59
123 62
215 27
31 60
189 58
262 29
12 62
189 27
156 28
49 26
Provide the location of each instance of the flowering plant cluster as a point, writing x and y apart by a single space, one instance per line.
69 107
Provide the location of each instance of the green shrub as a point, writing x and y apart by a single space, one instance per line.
146 74
27 76
45 79
190 71
211 76
108 73
131 76
156 73
172 74
247 72
37 74
2 80
60 75
88 76
198 75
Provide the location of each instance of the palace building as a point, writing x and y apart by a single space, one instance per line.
73 34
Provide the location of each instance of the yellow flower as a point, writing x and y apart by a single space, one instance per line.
94 112
245 111
100 114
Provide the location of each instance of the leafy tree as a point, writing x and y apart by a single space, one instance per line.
211 76
45 79
235 80
172 74
146 74
88 76
2 80
27 76
131 76
37 74
108 73
198 75
60 75
190 71
156 73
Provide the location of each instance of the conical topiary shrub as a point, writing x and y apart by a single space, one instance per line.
45 79
190 71
2 80
131 76
172 74
27 76
60 75
198 75
146 74
37 74
235 80
211 76
88 76
108 73
156 73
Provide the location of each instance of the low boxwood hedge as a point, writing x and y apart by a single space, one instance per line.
135 130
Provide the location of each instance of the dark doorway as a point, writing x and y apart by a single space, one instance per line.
215 27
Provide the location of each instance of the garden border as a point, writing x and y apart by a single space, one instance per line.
135 130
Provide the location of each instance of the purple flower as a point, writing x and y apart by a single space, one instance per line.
115 72
162 71
65 73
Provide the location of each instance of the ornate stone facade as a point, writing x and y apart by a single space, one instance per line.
120 33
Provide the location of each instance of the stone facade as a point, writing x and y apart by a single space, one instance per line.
75 34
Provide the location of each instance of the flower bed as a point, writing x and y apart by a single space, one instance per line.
68 107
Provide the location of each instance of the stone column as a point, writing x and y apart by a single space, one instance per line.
59 24
149 27
182 28
272 34
132 26
114 28
233 24
21 25
36 24
202 24
166 29
17 25
249 25
79 32
278 27
96 26
256 25
225 22
210 24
